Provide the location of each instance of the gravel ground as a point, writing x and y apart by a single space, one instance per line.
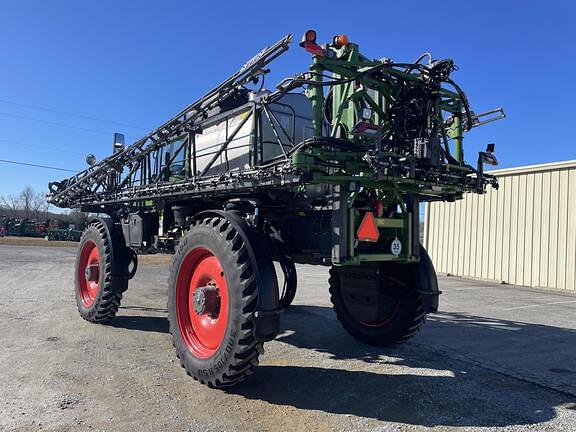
59 373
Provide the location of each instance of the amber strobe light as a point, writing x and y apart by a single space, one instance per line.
339 41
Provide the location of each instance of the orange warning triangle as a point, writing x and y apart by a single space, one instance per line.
368 230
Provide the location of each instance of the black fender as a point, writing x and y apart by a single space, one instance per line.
124 261
428 282
267 316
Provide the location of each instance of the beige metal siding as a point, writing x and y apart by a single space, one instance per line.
524 233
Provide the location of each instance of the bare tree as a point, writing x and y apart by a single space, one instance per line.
78 218
10 205
26 198
27 204
39 206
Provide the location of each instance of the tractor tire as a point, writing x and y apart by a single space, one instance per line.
98 294
212 296
398 314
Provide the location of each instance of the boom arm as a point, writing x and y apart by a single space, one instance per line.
384 124
105 176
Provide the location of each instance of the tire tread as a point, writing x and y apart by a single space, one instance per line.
107 307
406 331
244 356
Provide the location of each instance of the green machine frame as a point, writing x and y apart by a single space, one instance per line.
358 85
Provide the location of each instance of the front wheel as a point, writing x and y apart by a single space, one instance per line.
212 297
378 305
98 292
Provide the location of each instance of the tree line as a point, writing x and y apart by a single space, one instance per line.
28 204
32 205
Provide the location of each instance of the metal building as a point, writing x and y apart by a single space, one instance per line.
524 233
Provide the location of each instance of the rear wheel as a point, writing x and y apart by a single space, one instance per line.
98 294
378 305
212 297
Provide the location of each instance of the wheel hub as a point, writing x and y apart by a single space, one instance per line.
92 272
366 296
207 301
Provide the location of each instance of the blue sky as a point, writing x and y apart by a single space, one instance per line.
139 65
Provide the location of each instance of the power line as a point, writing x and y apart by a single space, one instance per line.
56 123
37 166
41 146
82 116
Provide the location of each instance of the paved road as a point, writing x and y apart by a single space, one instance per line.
490 361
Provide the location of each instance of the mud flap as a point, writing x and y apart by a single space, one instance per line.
122 257
428 282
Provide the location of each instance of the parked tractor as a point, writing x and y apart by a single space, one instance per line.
328 168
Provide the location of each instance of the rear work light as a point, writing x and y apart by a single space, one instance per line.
308 42
309 36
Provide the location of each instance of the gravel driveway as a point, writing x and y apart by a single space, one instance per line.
474 367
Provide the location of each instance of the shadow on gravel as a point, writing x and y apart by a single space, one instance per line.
316 328
460 396
409 399
463 397
522 344
142 323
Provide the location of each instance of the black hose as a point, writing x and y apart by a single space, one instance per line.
418 60
464 100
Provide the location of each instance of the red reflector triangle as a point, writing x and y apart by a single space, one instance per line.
368 230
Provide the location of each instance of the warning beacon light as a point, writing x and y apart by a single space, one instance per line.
308 37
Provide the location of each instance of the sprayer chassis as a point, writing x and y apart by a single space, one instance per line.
241 179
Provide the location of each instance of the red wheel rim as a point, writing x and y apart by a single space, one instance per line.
378 322
383 322
201 277
89 273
